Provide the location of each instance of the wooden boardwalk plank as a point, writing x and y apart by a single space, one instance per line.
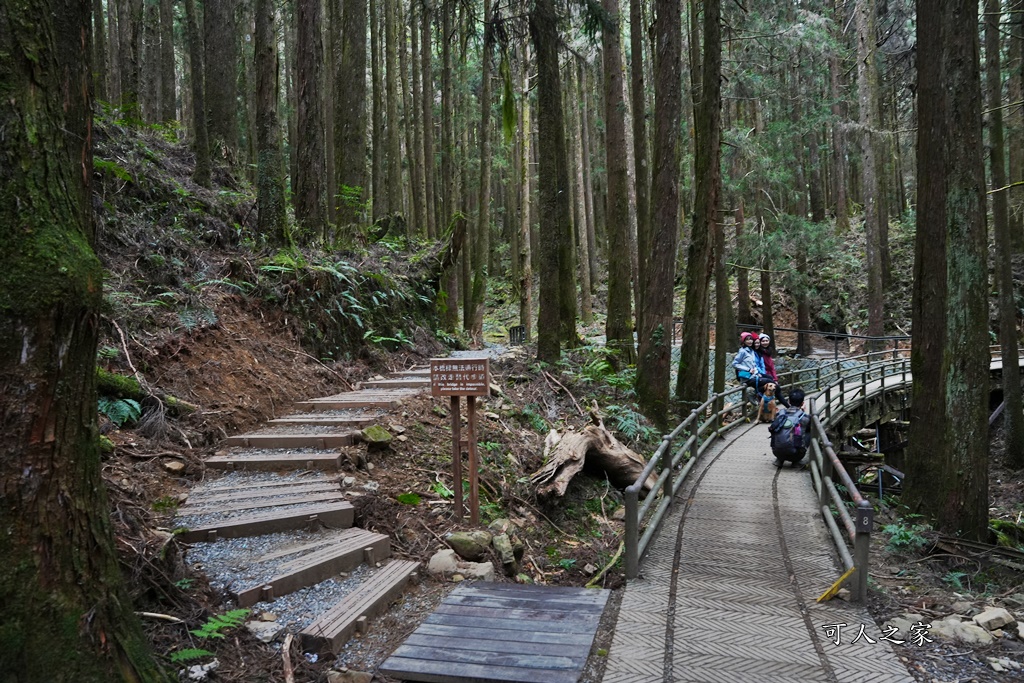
323 460
518 634
249 491
321 420
318 441
254 503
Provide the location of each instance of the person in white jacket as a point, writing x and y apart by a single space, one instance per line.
748 365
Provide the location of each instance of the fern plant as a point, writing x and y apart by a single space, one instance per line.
219 622
189 654
120 410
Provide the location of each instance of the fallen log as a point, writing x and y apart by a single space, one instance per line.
566 454
119 386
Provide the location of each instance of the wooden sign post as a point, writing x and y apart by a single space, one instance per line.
469 377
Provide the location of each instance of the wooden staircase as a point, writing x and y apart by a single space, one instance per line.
260 505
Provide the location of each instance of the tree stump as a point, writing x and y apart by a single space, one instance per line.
566 454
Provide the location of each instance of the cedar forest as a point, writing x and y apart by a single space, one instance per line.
607 166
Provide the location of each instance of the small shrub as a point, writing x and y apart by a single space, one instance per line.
220 622
120 411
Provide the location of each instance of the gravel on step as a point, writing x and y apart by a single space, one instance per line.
341 412
240 452
298 610
273 430
234 564
234 480
194 521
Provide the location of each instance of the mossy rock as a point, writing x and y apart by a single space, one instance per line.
377 438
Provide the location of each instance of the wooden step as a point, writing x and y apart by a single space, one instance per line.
269 462
263 490
352 549
412 372
318 441
337 515
333 629
255 503
401 383
321 420
348 404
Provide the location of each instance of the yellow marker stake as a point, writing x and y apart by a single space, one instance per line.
831 592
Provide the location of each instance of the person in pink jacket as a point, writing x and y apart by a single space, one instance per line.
763 349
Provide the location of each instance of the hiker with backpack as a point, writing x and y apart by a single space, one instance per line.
789 431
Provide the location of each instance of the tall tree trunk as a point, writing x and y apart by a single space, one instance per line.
168 109
414 222
330 38
201 143
619 323
725 324
743 316
842 204
1013 413
642 177
525 262
553 184
483 214
427 115
291 97
350 118
947 459
692 387
377 167
221 62
588 181
150 63
310 186
450 292
396 199
1015 123
130 52
414 113
867 95
66 612
114 52
100 71
269 156
584 248
655 354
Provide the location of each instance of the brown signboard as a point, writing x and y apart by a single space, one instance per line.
460 376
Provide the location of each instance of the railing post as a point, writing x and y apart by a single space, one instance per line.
695 430
817 378
862 547
666 463
632 534
828 403
826 474
835 356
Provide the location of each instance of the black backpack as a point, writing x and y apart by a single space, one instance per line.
787 433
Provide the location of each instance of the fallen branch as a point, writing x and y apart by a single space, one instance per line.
119 386
286 655
162 617
615 558
548 376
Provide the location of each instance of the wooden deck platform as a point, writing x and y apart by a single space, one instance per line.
502 632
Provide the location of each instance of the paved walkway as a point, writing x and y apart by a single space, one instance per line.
752 555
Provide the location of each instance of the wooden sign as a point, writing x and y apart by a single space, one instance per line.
460 376
456 377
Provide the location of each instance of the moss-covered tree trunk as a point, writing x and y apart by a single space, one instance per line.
65 613
619 323
947 459
655 352
554 180
269 155
350 117
692 387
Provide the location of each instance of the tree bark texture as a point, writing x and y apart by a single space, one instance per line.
201 141
310 183
396 191
66 613
1013 414
525 261
867 96
588 172
427 114
100 70
655 354
168 96
483 214
743 316
450 292
412 205
692 387
350 117
583 250
619 323
642 171
415 115
269 154
377 168
947 459
129 27
221 61
150 71
553 184
839 189
1015 123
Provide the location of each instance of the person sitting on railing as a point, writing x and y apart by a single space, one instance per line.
749 367
763 348
790 431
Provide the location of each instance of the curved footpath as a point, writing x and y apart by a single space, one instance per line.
727 592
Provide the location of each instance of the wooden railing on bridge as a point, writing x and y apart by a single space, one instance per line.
833 390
